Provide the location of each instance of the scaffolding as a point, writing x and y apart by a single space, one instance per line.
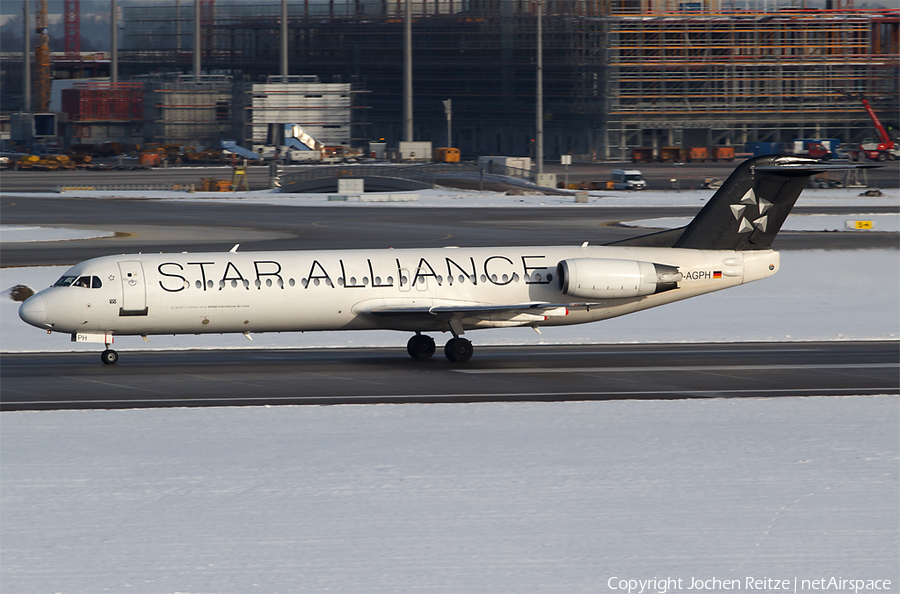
104 102
727 78
194 111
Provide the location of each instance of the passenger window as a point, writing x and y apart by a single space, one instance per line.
95 282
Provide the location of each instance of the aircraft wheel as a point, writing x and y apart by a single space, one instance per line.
109 357
882 156
458 350
420 347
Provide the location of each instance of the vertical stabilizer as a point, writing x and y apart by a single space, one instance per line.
749 209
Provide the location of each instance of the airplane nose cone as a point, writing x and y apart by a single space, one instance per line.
33 312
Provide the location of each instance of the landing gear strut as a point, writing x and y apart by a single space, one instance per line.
109 356
420 347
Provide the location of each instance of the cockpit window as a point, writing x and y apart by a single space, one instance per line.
65 281
87 282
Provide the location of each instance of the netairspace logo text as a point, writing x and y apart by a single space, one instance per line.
764 584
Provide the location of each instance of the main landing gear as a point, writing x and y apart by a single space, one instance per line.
458 350
420 347
109 356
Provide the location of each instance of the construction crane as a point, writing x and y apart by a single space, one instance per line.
42 58
72 18
881 150
885 148
207 20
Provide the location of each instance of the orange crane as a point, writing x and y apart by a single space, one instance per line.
42 58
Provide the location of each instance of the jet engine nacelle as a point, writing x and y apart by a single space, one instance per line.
601 278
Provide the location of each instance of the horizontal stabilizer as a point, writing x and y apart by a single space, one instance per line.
791 169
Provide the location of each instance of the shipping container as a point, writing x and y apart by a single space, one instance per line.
697 153
641 155
722 153
670 154
446 155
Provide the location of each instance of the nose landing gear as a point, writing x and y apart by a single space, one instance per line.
109 356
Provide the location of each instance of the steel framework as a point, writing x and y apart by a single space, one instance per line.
722 78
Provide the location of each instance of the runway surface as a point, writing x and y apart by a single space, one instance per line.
365 376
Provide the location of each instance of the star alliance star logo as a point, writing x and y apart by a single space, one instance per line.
739 209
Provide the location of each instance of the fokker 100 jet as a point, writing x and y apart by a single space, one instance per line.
423 291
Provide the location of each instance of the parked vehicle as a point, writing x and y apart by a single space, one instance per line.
882 149
628 179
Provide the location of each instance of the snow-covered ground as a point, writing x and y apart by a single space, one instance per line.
481 498
799 222
449 197
28 233
516 497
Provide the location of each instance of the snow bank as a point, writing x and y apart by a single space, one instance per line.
27 233
450 197
795 222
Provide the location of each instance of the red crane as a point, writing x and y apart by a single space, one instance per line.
885 148
42 57
72 18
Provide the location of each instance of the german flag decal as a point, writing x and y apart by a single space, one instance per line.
717 274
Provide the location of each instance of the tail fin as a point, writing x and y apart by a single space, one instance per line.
749 209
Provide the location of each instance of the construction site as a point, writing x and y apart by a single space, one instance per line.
654 76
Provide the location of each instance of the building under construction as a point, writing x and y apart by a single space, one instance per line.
618 74
735 77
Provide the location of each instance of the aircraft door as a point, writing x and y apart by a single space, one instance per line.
134 289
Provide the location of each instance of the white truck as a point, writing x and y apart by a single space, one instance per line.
628 179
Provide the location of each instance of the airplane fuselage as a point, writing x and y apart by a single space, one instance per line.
286 291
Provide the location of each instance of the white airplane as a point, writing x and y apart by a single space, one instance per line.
448 289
